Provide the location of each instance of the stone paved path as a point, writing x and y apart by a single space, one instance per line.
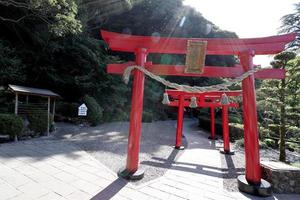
54 169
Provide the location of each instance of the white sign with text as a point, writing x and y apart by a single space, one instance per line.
82 110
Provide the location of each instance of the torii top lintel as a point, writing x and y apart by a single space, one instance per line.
215 46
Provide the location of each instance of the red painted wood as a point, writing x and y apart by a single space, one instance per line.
136 114
209 71
226 46
202 104
179 122
212 122
225 126
176 93
253 171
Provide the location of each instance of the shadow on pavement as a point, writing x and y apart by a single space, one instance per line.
111 190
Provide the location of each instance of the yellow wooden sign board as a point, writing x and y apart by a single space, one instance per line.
195 57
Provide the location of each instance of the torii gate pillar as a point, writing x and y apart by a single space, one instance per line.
131 171
251 182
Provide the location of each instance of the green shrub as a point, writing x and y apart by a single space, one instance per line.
38 121
147 116
262 145
292 146
67 109
274 128
236 130
240 142
95 112
296 164
270 142
11 125
235 119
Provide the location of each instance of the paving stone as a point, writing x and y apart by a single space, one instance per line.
32 190
59 187
40 177
51 196
48 169
65 177
87 186
172 190
14 163
155 193
8 191
132 194
55 170
87 176
79 195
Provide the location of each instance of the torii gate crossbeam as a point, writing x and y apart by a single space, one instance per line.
244 48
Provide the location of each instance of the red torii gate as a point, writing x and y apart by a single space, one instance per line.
211 100
245 49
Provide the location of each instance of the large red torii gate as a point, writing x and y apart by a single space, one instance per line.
245 49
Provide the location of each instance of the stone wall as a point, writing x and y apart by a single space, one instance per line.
283 177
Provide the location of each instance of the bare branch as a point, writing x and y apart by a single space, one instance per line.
13 20
15 4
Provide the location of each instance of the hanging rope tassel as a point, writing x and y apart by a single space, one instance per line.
193 103
166 100
225 99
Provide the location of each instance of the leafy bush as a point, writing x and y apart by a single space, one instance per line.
262 145
270 142
240 142
236 130
274 128
11 125
67 109
95 112
235 119
147 116
292 146
38 121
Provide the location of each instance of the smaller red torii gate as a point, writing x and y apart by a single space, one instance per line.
211 100
244 49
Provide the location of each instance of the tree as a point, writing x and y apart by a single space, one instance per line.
278 100
12 70
59 15
291 23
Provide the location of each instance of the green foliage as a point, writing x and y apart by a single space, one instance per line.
58 16
270 142
38 121
278 101
296 164
56 46
67 109
240 142
236 130
292 146
12 70
147 116
291 23
11 125
262 145
95 112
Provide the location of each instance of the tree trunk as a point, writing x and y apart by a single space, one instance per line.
282 154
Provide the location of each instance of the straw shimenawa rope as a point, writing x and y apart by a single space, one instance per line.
187 88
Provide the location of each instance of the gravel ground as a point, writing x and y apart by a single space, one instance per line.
108 144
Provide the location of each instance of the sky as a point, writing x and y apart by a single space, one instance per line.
247 18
